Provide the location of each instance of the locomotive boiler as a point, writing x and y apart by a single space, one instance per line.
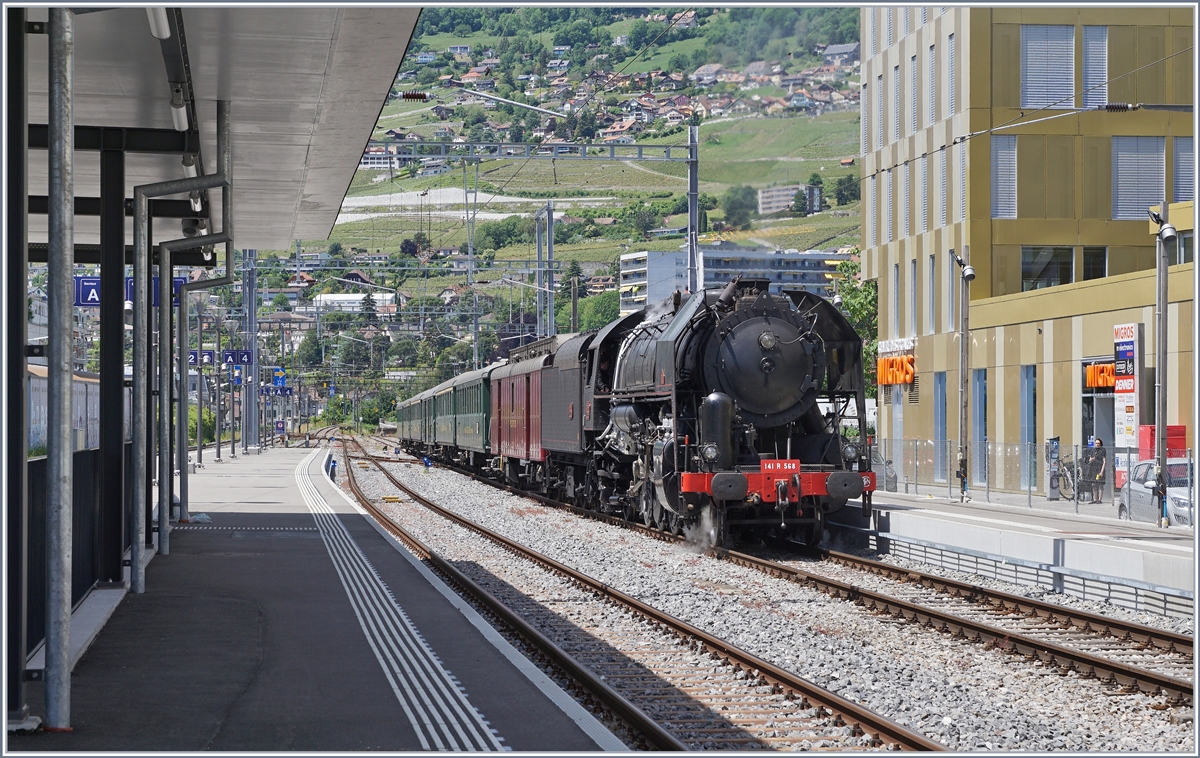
726 414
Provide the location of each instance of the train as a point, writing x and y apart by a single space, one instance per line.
728 414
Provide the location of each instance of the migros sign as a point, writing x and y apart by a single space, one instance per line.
896 370
1101 375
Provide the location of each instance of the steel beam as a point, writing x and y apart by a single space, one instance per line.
16 508
110 549
91 254
129 139
90 206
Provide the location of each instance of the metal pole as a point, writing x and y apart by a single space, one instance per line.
112 370
1160 370
963 368
200 381
551 322
695 272
1076 465
60 447
219 369
537 293
181 406
1191 474
166 476
16 463
574 304
1029 475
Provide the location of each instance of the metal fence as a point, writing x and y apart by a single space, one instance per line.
1110 482
85 536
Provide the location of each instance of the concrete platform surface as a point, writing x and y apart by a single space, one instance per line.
292 622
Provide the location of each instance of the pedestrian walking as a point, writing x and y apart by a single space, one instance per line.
333 470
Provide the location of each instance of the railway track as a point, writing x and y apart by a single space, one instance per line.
1134 657
680 686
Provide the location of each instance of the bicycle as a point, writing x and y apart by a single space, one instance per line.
1066 478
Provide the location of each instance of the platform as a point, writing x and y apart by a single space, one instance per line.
1099 557
293 622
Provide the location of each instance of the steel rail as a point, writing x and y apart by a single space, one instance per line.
1049 652
654 734
1129 630
868 721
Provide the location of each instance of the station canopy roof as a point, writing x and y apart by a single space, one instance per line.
306 85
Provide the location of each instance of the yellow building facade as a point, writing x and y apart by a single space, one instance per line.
987 135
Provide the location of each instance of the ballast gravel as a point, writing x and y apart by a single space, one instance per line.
954 691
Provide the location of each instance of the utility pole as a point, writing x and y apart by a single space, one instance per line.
1166 234
574 304
695 264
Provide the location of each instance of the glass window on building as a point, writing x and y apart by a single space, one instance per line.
979 434
1028 455
931 303
896 301
912 297
939 426
1047 66
1095 66
1043 267
1138 176
1183 253
1182 167
1004 176
1095 263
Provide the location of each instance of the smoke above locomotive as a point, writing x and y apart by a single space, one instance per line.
729 414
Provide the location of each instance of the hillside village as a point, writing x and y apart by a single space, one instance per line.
600 102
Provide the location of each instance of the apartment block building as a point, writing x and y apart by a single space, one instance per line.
986 134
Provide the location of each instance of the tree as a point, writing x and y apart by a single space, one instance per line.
408 247
564 284
380 344
403 351
816 180
740 204
846 190
800 202
599 310
367 311
280 302
354 352
309 352
860 302
422 241
335 250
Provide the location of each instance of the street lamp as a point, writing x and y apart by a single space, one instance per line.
1166 235
968 275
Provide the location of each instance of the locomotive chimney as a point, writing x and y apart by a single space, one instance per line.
726 298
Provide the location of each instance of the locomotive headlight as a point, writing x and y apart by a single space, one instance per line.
850 452
767 340
709 452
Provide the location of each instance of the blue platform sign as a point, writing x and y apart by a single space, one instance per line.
193 357
279 376
279 427
332 390
245 357
228 357
87 291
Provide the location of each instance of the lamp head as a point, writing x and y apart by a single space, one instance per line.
837 301
1167 233
968 274
129 306
1155 217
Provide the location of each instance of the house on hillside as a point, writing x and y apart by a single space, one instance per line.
757 68
459 49
358 277
621 41
684 20
442 112
598 285
301 280
424 58
841 55
706 75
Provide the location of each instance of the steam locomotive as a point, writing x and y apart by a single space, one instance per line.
731 414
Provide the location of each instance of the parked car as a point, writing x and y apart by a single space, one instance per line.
1137 499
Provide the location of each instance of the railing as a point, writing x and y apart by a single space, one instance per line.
1112 482
85 534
